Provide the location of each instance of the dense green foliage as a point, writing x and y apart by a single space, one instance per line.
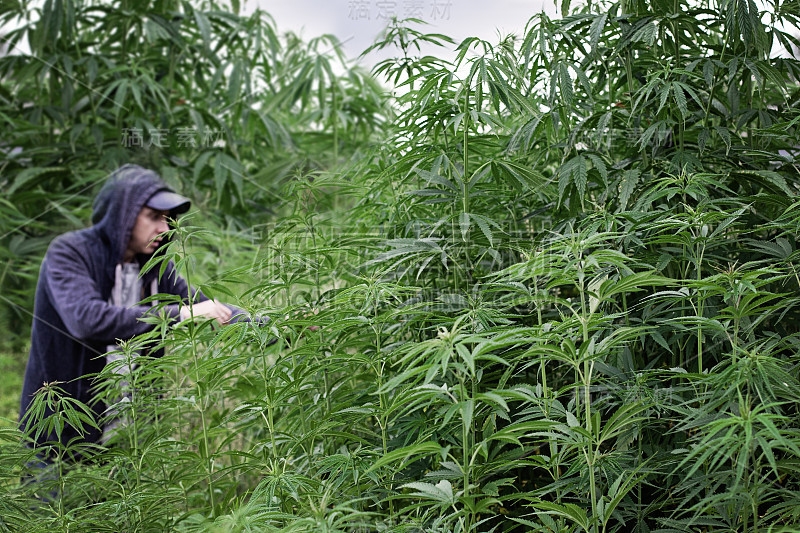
550 286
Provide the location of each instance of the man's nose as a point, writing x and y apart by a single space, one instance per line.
163 225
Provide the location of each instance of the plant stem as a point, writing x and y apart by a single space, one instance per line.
208 462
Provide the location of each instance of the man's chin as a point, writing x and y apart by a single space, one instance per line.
152 249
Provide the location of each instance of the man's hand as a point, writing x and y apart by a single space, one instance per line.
208 309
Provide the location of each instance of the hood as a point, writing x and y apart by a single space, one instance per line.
118 204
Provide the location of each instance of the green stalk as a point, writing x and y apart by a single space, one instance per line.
465 446
685 275
208 464
312 229
639 456
60 462
754 505
465 207
383 420
285 279
746 453
588 367
11 262
584 330
334 125
134 399
542 361
591 453
676 10
270 421
698 271
465 142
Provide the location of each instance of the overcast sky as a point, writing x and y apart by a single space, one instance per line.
357 22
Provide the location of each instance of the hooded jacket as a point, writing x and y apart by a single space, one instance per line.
73 319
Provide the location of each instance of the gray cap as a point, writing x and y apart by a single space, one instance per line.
166 200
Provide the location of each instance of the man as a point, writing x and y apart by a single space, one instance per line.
90 285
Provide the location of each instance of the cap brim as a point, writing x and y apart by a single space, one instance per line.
169 201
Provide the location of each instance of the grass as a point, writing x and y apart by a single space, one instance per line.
12 370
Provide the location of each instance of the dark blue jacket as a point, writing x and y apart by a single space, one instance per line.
73 321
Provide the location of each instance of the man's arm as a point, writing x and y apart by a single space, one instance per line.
201 307
207 309
77 299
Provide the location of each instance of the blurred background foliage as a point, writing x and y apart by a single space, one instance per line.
223 106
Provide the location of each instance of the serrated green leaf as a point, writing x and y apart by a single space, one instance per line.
482 224
596 29
680 99
565 84
630 178
580 175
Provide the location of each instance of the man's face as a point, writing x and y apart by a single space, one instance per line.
145 235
